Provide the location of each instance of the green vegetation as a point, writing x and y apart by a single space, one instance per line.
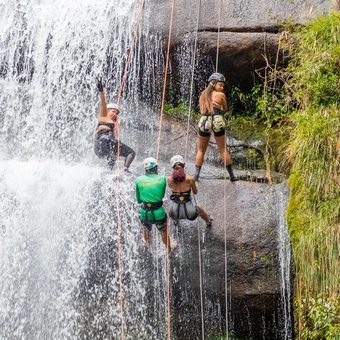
311 83
297 112
180 113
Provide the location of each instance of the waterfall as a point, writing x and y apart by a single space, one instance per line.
59 217
60 209
285 266
50 54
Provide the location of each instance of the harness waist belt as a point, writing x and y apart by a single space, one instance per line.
180 198
152 205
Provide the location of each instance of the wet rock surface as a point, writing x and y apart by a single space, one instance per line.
243 31
243 242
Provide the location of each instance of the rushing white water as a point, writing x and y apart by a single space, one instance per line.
51 53
58 237
44 229
58 254
285 266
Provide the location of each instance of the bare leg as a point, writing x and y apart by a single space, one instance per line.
147 238
202 148
222 149
203 214
166 239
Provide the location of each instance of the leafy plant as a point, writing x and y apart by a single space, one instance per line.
322 320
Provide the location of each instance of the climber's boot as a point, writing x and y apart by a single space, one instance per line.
232 177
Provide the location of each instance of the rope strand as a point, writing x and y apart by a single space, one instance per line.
218 36
165 79
157 155
120 271
192 81
130 53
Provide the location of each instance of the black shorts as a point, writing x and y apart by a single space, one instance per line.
160 224
106 145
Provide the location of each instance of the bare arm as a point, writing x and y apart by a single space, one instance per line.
221 99
193 185
103 108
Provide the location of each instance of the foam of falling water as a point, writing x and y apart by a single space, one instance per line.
43 233
285 267
51 53
58 215
58 256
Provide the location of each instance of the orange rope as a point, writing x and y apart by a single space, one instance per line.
117 179
165 78
157 154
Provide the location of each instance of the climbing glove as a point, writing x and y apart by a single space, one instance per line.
100 85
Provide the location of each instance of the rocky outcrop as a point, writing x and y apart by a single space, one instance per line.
248 29
243 243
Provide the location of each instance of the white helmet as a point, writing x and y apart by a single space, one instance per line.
176 159
150 163
113 106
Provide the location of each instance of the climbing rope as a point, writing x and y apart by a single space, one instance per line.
120 271
225 247
200 270
218 35
165 79
192 80
185 157
130 53
125 73
157 155
225 192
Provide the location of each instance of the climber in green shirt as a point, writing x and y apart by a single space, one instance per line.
150 190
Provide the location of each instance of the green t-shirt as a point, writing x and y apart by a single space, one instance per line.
150 188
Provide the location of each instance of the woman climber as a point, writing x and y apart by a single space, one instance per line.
212 104
106 144
181 185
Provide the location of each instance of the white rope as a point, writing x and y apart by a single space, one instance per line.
192 80
218 36
200 269
225 248
185 157
225 196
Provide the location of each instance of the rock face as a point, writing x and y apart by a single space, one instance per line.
248 29
243 242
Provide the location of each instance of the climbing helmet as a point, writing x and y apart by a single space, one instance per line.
217 76
177 159
150 163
